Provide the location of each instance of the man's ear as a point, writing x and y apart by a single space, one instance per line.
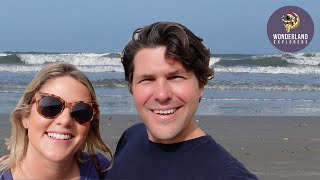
201 89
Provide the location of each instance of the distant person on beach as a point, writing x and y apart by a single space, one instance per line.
167 67
56 119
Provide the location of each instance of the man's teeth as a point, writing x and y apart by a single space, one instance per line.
59 136
168 111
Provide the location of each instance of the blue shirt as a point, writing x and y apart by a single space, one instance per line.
87 168
138 158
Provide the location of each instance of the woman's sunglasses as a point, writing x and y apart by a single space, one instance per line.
50 106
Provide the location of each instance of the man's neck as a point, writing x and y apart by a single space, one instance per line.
192 131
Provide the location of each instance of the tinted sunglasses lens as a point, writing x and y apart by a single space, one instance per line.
82 112
50 106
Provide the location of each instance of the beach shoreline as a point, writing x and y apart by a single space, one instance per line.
272 147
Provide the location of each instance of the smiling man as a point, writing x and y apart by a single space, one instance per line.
166 96
167 67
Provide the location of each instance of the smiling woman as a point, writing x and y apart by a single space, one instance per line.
56 119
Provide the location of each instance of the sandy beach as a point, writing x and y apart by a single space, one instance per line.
270 147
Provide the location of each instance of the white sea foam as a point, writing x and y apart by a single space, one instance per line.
270 69
117 68
262 99
264 86
301 58
3 54
19 68
312 59
214 60
80 59
266 56
75 59
300 63
33 68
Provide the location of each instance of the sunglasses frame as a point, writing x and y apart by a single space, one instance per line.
65 104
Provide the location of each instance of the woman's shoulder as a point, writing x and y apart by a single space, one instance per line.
91 164
89 159
6 175
105 162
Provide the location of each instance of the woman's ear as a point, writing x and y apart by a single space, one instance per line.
25 121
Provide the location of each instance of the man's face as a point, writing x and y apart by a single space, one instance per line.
166 96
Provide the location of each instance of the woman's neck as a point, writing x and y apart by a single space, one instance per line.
38 167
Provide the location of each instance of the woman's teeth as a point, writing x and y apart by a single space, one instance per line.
59 136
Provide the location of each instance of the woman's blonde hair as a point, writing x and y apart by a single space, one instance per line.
19 135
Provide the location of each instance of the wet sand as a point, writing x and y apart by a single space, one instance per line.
270 147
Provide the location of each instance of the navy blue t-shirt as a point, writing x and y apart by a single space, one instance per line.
202 158
86 168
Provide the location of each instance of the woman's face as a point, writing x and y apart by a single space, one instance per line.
59 138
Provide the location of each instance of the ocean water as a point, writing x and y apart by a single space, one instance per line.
267 85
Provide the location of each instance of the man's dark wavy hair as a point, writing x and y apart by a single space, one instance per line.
181 44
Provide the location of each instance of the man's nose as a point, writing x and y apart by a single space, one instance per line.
162 91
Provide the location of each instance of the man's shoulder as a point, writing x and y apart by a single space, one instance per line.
133 134
139 126
215 152
136 128
213 155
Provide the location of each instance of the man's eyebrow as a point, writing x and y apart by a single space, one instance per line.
178 71
150 75
144 76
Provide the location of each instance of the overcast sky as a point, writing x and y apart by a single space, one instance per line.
99 26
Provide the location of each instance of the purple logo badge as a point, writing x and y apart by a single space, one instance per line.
290 29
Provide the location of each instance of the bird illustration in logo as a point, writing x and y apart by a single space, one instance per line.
291 21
